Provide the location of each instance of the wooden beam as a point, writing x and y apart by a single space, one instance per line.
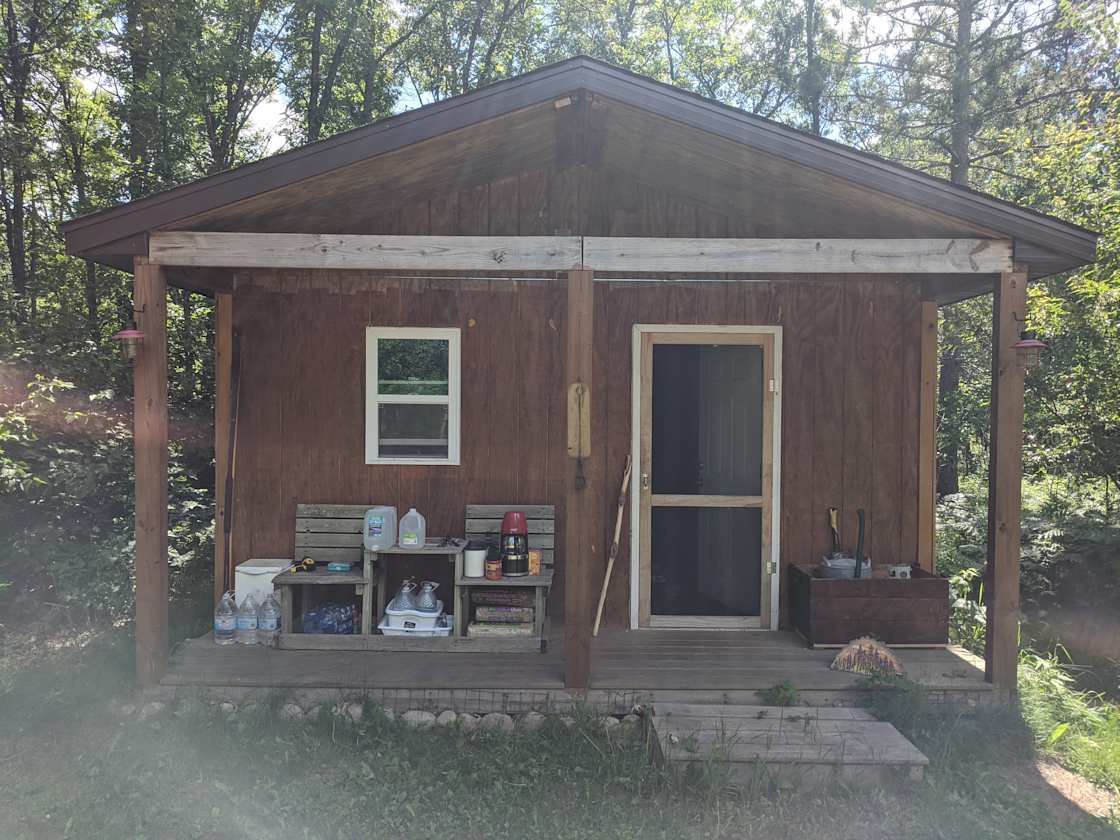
223 357
579 497
150 442
801 256
562 253
927 438
389 253
1005 469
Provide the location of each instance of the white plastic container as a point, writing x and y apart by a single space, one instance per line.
254 577
413 530
379 531
442 627
413 619
474 562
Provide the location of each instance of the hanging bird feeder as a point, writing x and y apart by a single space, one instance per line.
1029 349
129 340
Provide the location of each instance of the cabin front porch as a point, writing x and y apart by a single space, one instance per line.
627 667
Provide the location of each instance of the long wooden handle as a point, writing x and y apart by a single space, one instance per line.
614 545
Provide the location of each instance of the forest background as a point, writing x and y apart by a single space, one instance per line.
102 101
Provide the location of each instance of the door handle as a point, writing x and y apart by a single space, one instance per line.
645 481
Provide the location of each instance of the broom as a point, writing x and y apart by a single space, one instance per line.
867 656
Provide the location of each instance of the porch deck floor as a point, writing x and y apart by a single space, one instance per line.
664 665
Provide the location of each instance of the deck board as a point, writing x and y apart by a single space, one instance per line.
705 663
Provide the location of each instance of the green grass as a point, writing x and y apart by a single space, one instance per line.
1078 728
70 769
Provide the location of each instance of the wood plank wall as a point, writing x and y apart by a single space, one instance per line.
850 378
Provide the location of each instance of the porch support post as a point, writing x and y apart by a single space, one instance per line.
579 539
223 366
150 442
1005 470
927 437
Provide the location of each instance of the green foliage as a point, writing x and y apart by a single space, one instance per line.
1076 727
66 506
780 694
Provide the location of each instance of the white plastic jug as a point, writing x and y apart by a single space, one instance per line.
414 530
379 531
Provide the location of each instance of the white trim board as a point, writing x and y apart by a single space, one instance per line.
452 400
635 450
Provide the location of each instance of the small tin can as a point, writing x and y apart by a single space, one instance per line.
493 565
534 561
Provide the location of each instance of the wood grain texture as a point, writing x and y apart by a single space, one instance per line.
223 359
581 493
150 444
1005 482
838 256
927 438
354 251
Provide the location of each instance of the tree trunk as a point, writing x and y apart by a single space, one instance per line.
948 385
960 134
138 112
314 110
187 338
811 81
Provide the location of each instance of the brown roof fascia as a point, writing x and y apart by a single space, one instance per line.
555 81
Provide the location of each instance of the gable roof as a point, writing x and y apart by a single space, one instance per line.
112 235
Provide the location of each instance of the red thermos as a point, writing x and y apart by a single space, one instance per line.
515 544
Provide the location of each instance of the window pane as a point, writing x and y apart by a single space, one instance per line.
412 431
706 561
707 419
412 365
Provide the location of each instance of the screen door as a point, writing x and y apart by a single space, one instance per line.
705 479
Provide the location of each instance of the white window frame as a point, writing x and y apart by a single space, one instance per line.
374 399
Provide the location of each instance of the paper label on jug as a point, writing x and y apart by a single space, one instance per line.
376 526
410 538
225 623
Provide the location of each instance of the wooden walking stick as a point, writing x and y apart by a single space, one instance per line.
614 545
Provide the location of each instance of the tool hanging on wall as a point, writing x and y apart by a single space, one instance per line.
234 399
622 493
579 428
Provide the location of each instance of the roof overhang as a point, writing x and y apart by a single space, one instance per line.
1048 245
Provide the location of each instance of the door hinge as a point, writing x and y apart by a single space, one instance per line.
773 567
774 386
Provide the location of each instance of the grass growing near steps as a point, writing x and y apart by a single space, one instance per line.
70 769
1076 727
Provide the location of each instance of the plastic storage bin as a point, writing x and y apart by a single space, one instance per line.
412 619
442 627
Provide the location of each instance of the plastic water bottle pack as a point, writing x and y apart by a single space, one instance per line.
331 619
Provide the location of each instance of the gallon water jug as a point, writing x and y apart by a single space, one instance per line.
380 529
413 530
225 621
247 621
268 620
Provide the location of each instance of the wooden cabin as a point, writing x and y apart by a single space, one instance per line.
602 267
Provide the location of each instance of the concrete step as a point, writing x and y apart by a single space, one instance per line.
791 745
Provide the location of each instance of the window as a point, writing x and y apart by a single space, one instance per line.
412 395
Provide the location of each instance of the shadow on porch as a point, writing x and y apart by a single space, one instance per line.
627 667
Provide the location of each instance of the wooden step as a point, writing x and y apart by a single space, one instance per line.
791 745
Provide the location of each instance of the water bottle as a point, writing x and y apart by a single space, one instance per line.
412 530
268 620
225 621
247 622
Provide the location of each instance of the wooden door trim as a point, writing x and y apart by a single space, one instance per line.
642 338
686 500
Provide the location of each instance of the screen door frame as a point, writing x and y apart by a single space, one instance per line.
769 338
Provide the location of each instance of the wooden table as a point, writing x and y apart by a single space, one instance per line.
362 581
452 547
464 584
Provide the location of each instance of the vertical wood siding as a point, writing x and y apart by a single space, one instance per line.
849 389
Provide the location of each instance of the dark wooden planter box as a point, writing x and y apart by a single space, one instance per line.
898 612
